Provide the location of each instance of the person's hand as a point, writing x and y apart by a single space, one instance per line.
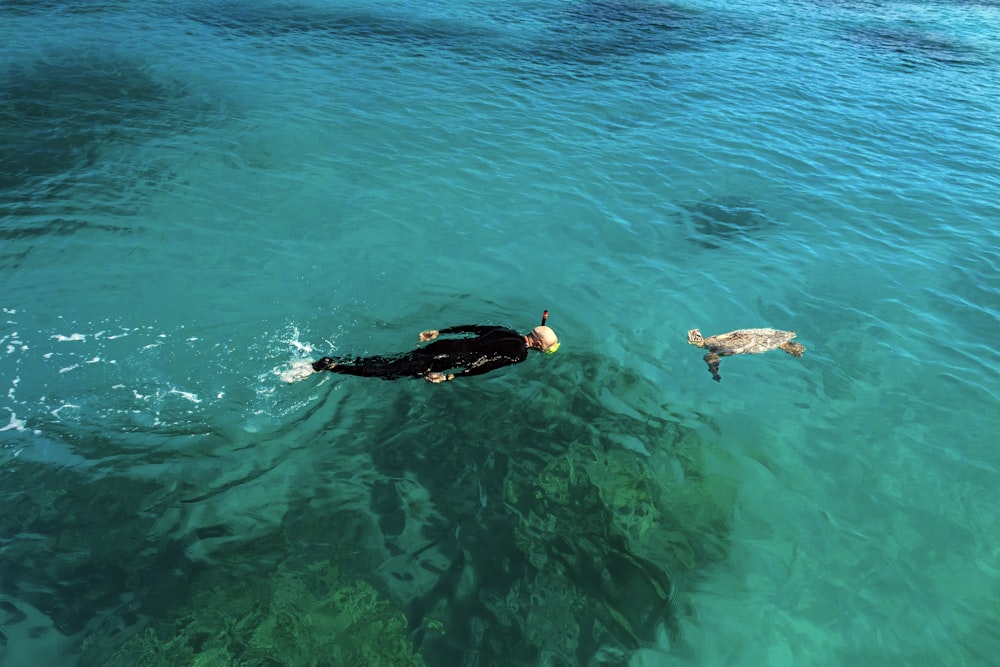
430 334
438 378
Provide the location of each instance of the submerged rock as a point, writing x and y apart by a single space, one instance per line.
715 222
308 617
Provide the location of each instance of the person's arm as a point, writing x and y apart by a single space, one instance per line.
477 329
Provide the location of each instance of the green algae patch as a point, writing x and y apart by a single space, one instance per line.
309 618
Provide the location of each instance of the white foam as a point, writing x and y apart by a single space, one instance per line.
15 423
298 345
71 337
299 370
186 394
55 413
67 369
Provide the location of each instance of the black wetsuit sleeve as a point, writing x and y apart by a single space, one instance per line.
477 329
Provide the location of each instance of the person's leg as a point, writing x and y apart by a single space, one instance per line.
387 368
300 369
324 364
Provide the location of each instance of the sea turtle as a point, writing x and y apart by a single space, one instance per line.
743 341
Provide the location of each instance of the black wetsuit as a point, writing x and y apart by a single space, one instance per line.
491 348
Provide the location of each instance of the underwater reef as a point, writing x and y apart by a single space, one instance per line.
555 516
306 616
714 223
566 537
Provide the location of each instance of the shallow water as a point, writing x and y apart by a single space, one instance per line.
196 195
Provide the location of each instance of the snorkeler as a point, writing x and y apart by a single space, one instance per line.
489 348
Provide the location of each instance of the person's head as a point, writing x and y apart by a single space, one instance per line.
544 339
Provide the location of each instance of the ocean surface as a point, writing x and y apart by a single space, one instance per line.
197 194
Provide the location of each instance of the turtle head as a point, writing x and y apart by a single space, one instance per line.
694 338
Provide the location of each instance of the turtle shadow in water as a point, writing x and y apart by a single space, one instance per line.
712 223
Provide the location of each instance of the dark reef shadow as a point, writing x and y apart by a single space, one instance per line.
69 125
911 48
577 36
536 550
714 223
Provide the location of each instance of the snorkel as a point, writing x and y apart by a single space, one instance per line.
550 350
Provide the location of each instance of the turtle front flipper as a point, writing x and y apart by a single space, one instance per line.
713 360
792 348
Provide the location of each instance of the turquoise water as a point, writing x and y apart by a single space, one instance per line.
197 194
